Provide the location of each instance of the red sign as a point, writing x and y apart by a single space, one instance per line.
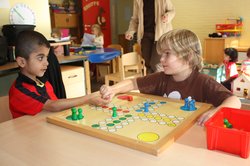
97 12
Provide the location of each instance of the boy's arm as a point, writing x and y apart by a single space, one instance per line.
232 101
62 104
108 92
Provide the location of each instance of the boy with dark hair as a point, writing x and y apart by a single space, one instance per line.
31 93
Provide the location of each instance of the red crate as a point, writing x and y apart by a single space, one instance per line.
234 140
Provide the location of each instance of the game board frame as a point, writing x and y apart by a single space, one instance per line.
154 149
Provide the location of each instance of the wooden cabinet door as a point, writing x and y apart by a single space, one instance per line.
214 49
65 20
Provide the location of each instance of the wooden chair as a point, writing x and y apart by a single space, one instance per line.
4 109
105 67
137 48
124 61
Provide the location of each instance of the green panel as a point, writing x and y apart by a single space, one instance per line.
6 82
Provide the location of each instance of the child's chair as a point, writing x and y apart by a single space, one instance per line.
105 67
4 109
125 61
137 48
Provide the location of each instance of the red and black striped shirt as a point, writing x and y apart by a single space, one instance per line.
26 98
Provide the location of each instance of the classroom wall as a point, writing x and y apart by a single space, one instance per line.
41 10
121 12
202 15
199 16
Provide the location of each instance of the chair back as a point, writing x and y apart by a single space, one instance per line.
116 46
131 58
127 60
137 48
4 109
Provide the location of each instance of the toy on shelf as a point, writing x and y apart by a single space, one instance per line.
232 27
241 86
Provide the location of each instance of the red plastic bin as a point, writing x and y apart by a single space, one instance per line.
234 140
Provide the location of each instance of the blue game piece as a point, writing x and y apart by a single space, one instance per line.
192 105
146 105
189 104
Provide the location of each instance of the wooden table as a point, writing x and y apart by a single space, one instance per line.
30 140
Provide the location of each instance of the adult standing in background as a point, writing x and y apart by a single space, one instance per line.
151 19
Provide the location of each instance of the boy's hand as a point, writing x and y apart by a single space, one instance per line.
106 92
98 101
204 117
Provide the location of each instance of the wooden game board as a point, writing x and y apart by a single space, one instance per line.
150 132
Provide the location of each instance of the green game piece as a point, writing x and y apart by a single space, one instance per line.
226 121
228 125
114 114
74 115
79 116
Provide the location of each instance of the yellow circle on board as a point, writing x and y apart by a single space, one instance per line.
141 114
171 124
157 118
148 137
149 116
166 119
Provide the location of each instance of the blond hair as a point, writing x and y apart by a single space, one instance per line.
98 27
185 44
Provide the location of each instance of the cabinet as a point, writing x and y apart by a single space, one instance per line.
67 20
73 79
62 20
214 48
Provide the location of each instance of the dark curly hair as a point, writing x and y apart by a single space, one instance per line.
232 53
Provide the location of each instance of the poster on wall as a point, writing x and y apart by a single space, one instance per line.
97 12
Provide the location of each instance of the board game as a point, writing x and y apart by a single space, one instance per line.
149 130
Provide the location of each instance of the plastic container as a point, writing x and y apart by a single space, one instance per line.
234 140
11 31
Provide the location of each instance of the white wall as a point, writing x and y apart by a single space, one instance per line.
41 10
201 16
